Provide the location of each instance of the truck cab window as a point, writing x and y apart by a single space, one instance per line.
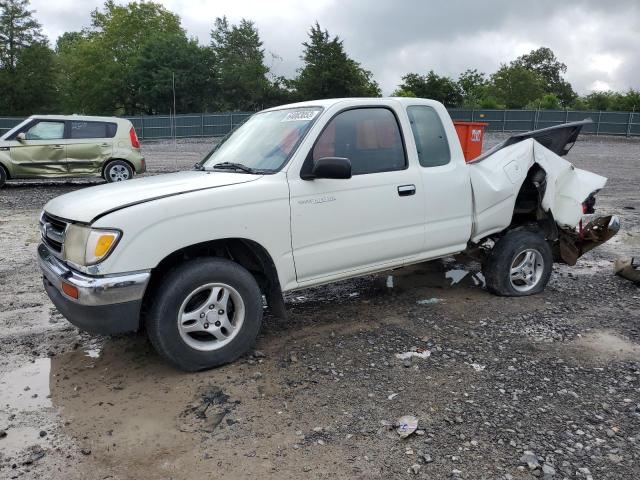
369 137
431 139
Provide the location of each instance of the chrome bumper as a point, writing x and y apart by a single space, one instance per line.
93 291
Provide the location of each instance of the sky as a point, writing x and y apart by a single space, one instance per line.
599 41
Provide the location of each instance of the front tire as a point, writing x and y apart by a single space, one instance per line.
118 171
518 265
207 312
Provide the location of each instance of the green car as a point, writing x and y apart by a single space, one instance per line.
54 146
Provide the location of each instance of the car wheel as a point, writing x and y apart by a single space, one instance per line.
118 171
206 312
519 264
3 176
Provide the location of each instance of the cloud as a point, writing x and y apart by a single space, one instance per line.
597 40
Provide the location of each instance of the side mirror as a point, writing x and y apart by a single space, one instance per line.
21 137
332 167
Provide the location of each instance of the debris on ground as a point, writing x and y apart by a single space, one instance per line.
207 412
414 353
627 268
406 425
428 301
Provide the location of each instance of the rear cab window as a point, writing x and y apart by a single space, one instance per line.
369 137
430 137
89 129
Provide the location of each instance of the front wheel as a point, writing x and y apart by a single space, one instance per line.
207 312
519 264
118 171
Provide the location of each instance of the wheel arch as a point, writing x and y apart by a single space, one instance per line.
247 253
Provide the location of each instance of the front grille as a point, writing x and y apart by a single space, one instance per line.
53 230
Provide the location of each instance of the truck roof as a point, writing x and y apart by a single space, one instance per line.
329 102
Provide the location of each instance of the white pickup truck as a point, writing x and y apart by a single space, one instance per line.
303 195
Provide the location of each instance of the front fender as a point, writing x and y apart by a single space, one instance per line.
256 211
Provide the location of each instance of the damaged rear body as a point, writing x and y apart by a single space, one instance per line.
521 182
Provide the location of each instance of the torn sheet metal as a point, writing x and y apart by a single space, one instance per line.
496 182
574 243
627 268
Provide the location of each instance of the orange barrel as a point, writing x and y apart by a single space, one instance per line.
471 135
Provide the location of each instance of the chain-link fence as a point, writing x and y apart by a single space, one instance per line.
219 124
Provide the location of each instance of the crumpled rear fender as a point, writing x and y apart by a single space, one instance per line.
572 243
497 180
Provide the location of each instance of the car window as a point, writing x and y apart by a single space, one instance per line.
431 139
46 131
369 137
92 130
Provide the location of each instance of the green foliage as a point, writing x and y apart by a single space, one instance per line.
544 63
328 72
27 65
549 101
474 88
165 58
432 86
516 86
241 72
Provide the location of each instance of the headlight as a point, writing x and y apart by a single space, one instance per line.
87 246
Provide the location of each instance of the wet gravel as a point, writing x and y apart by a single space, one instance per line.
537 387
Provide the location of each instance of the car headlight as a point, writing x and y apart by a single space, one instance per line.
87 246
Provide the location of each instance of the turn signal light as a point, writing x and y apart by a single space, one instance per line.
70 290
103 245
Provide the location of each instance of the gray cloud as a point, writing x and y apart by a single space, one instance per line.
597 40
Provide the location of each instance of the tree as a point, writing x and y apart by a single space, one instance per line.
98 63
543 62
328 72
167 57
549 101
473 87
432 86
516 86
241 72
26 62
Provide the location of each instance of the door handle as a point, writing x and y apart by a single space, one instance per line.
104 144
57 147
406 190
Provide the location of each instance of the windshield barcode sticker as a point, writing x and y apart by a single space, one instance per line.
300 116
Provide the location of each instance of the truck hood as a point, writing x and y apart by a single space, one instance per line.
88 204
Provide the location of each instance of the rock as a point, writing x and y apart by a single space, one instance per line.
3 434
85 451
427 458
456 473
415 468
43 433
548 471
614 458
530 459
258 354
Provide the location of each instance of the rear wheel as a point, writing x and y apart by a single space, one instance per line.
118 171
3 176
519 264
207 312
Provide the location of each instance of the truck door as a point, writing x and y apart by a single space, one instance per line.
42 152
446 183
374 218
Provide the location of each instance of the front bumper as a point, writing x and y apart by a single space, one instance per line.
105 305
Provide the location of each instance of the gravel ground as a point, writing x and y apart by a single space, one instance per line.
514 388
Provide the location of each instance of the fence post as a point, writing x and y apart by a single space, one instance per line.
504 119
142 125
566 115
629 122
472 113
202 124
598 125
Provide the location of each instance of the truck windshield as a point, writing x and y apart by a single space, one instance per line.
264 143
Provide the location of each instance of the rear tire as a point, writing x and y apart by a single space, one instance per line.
205 313
518 265
3 176
117 171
